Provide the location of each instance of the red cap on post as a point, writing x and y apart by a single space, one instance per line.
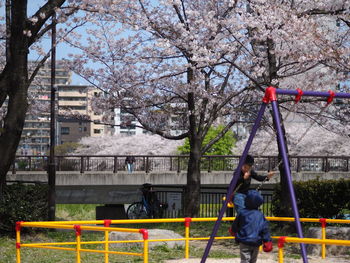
107 222
19 225
144 233
270 95
298 97
331 96
77 230
281 242
188 221
323 222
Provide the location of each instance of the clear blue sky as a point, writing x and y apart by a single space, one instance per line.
62 49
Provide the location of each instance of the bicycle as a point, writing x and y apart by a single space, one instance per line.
148 207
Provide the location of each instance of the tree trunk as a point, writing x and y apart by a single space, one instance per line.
8 28
15 82
193 186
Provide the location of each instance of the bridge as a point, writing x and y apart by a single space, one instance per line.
103 179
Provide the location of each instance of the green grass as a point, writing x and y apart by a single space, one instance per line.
293 256
36 255
87 212
73 212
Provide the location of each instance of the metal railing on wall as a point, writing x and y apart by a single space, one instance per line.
174 163
211 200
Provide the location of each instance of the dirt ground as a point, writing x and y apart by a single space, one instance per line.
271 257
263 258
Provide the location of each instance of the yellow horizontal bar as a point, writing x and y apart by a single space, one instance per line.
29 224
338 221
211 219
49 247
173 220
119 221
112 252
99 228
90 222
117 241
288 240
314 220
91 228
318 241
49 244
86 250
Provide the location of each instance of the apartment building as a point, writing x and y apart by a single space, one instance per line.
125 123
36 132
75 99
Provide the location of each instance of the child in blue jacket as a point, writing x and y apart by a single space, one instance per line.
251 229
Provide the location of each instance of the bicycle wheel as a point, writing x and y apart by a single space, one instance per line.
136 211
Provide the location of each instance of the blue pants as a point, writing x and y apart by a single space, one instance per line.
130 167
239 202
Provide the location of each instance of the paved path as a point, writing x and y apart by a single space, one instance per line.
264 258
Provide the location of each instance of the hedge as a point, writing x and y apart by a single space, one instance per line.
23 202
317 198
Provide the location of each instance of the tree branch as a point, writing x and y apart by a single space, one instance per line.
218 137
48 10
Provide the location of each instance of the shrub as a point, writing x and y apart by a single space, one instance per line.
23 202
317 198
221 147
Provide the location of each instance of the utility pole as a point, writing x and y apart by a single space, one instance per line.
52 165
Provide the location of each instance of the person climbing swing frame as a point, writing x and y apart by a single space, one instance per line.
271 97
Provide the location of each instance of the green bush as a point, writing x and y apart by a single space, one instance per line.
22 164
317 198
221 147
23 202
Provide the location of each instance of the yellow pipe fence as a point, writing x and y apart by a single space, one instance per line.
78 231
79 226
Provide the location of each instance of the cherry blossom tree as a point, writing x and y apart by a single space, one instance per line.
20 35
303 138
182 66
139 144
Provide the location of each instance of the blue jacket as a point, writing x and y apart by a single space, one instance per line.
250 226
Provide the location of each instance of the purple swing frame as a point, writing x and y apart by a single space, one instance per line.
271 97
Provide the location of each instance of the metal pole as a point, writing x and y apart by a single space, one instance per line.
313 93
289 177
234 180
52 166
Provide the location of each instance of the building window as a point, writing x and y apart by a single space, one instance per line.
85 129
64 130
80 129
72 107
97 131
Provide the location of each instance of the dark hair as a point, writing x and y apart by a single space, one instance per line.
249 160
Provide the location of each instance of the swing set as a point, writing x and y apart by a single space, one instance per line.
271 97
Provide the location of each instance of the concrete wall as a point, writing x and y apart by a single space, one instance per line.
122 188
